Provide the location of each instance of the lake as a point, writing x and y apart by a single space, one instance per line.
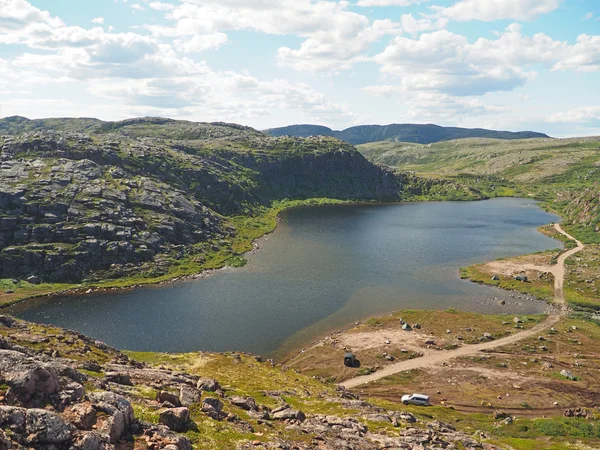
323 268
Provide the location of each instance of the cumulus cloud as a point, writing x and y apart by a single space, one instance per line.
98 20
200 43
411 25
389 2
448 63
334 38
160 6
144 75
492 10
585 115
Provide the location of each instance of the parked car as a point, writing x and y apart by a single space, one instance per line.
416 399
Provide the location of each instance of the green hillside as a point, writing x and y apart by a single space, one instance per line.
396 132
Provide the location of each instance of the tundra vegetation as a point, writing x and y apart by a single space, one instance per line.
88 204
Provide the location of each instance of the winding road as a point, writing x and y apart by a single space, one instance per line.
433 357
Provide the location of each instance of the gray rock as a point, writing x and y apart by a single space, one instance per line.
208 384
30 381
92 441
567 374
13 418
288 414
118 378
119 412
46 427
189 395
247 403
82 415
175 418
166 396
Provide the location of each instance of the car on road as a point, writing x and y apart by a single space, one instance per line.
416 399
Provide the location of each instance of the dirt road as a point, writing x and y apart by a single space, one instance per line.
433 357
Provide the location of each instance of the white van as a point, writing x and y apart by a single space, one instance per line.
416 399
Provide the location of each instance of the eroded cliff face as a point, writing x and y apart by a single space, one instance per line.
60 390
75 203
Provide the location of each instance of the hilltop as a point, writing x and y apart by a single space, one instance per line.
417 133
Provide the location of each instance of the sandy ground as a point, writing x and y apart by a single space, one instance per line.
432 358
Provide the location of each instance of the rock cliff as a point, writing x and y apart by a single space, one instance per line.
117 195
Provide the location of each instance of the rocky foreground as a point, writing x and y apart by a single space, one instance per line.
62 390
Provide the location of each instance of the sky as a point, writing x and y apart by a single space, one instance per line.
500 64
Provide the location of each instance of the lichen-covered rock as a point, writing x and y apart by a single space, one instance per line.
118 411
46 427
189 395
175 418
31 382
208 384
247 403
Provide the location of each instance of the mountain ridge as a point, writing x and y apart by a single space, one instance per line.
416 133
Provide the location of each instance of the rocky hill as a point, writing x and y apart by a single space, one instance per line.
81 196
422 134
60 390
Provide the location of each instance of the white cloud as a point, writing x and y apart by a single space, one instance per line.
446 62
201 42
389 2
160 6
588 16
142 75
336 49
334 37
586 115
98 20
492 10
584 56
413 26
433 107
137 7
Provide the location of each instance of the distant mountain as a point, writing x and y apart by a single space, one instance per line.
421 134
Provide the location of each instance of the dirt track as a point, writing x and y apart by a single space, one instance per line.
431 358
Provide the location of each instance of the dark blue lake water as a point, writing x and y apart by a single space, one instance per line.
323 268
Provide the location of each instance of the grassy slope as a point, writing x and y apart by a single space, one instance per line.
564 173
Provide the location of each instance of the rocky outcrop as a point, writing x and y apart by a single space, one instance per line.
113 198
79 402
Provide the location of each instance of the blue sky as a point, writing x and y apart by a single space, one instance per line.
504 64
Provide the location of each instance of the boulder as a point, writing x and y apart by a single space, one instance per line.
31 382
247 403
212 407
175 418
567 374
288 414
92 441
13 418
118 378
165 396
118 411
189 395
82 415
208 384
46 427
